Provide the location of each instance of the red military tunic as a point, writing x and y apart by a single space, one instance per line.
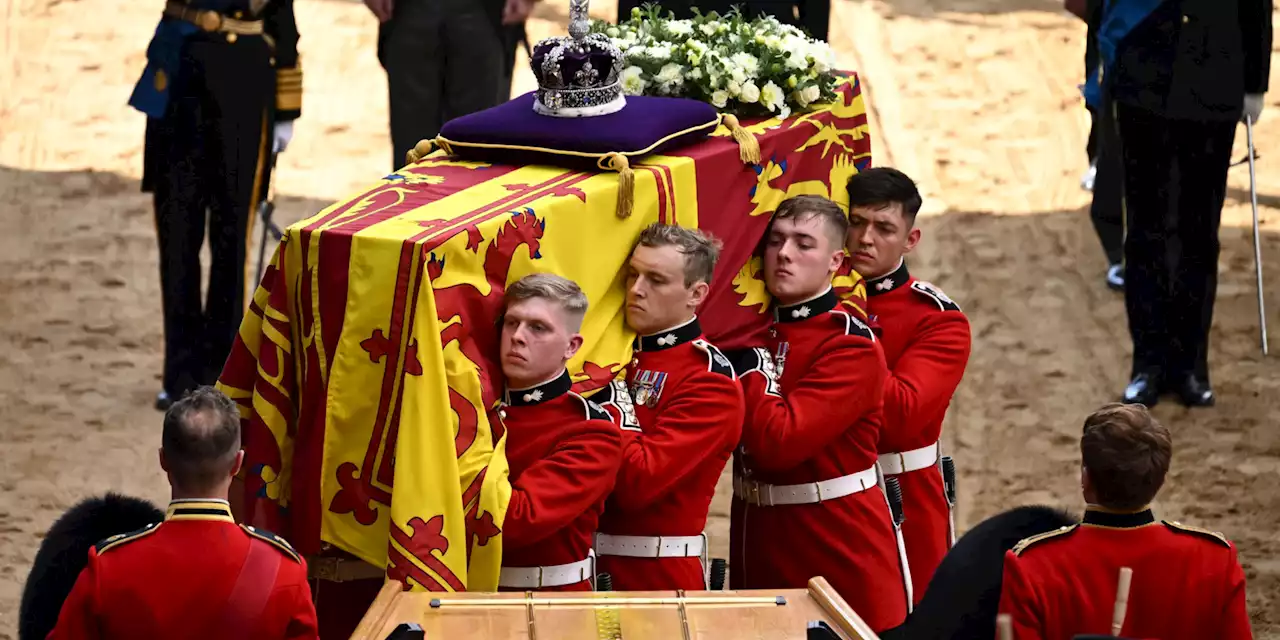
820 421
563 451
689 408
926 345
1186 584
196 575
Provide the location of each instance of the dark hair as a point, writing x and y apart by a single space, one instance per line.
1127 454
830 213
201 438
880 187
699 249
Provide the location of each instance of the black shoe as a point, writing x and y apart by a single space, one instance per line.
1144 389
1115 277
1195 391
163 401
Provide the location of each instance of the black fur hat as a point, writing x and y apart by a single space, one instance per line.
964 593
65 551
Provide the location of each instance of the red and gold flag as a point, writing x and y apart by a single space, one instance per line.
366 367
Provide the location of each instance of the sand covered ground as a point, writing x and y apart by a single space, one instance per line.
975 98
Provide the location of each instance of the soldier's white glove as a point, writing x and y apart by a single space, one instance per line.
283 134
1252 107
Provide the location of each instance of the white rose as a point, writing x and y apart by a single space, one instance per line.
670 75
633 83
747 62
696 74
809 95
661 52
750 93
735 88
708 29
771 96
680 27
719 99
739 76
612 32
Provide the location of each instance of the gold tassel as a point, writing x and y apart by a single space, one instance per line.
421 150
748 146
626 182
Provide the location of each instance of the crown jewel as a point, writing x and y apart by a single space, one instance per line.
578 75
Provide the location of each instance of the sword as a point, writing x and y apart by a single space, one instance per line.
893 492
267 209
1257 237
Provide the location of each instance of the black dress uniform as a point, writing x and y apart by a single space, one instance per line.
220 74
1178 79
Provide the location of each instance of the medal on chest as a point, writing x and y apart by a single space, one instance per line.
646 387
780 357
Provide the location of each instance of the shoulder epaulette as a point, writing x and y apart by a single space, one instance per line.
853 325
935 294
1204 533
273 540
594 411
1026 543
123 538
716 360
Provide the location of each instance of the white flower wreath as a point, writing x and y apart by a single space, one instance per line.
747 67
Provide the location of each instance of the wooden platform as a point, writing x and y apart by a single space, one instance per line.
783 614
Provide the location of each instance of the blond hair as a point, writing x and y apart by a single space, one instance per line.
700 250
549 286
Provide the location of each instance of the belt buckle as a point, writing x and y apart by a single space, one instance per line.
209 21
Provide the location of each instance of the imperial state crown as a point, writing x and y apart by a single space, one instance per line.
578 75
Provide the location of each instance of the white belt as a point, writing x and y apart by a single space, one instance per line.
767 495
651 546
893 464
555 576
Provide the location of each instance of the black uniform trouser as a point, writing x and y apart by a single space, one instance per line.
1175 176
207 172
1107 209
444 59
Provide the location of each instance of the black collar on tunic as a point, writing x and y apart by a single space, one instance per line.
801 311
1118 520
199 509
550 390
672 337
889 281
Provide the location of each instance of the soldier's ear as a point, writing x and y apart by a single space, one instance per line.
164 464
575 343
235 468
913 238
698 293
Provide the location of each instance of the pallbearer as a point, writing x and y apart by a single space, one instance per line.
689 408
563 450
926 345
806 500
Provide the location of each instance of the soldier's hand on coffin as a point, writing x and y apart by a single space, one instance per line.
283 134
516 11
380 8
1252 107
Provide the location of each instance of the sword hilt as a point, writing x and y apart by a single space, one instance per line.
893 490
604 581
719 569
949 479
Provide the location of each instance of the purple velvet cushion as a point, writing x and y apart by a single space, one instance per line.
512 133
